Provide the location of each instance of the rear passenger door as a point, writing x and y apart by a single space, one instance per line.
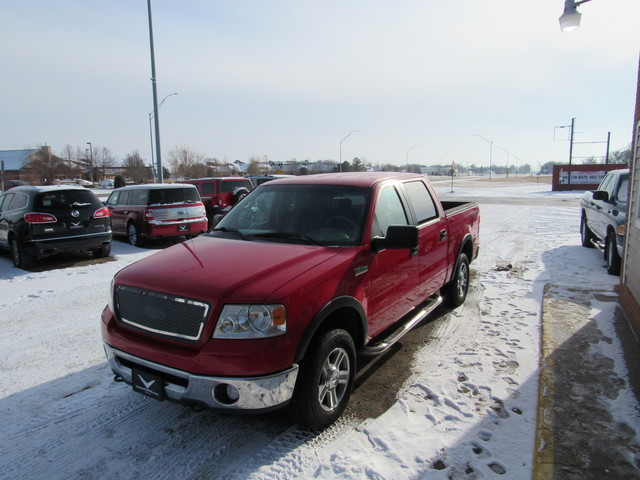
433 239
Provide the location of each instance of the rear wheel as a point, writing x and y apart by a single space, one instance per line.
611 255
455 292
586 235
133 235
325 380
19 258
105 251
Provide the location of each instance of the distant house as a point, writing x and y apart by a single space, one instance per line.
34 166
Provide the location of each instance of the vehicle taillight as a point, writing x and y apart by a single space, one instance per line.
148 214
40 218
101 213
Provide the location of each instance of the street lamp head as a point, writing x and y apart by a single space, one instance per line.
570 18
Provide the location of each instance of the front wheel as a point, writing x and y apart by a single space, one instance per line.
325 380
455 292
612 256
585 233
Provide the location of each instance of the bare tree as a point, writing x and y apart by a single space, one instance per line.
135 167
102 160
185 163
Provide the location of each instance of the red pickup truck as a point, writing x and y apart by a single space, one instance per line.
272 306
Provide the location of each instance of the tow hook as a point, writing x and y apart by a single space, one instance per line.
118 378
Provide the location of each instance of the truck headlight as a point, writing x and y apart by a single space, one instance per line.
251 321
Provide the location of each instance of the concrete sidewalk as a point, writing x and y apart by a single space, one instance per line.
589 376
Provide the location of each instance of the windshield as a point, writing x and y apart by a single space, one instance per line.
302 214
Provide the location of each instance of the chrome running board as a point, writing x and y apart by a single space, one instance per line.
384 344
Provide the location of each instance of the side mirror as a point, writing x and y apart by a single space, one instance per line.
601 195
398 237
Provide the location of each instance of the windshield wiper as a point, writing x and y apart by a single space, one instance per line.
78 204
290 235
231 230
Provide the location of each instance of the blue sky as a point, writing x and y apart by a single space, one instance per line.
289 79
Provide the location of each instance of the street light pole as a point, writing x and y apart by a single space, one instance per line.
490 142
155 95
91 161
151 115
407 155
341 141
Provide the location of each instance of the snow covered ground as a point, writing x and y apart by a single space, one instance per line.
467 411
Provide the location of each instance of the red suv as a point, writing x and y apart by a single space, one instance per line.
220 194
156 211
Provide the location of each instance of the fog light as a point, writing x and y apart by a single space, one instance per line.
226 394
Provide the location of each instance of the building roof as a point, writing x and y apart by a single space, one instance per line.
15 159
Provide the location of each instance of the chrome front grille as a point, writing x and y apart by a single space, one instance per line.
179 318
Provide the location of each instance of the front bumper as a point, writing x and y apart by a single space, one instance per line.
254 393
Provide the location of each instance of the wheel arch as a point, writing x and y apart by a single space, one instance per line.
344 312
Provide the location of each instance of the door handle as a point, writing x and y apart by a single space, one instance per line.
443 234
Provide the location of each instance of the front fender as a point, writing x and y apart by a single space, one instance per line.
346 304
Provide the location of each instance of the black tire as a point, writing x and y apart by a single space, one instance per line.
455 292
325 380
19 258
586 235
133 235
611 255
105 251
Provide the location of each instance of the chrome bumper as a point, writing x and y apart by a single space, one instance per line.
254 393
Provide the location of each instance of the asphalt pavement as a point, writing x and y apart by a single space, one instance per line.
580 432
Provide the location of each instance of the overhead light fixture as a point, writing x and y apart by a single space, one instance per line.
570 18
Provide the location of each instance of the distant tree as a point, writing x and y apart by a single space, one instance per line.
621 156
254 168
135 167
357 165
102 160
185 163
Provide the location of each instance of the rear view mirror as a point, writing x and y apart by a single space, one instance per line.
398 237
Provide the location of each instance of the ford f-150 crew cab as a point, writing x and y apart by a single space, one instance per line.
272 306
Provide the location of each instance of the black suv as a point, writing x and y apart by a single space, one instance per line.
40 221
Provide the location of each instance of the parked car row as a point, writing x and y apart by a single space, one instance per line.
36 222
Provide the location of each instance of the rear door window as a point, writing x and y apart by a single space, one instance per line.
208 188
231 185
20 200
5 201
422 203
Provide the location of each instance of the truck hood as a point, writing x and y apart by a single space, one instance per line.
214 269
